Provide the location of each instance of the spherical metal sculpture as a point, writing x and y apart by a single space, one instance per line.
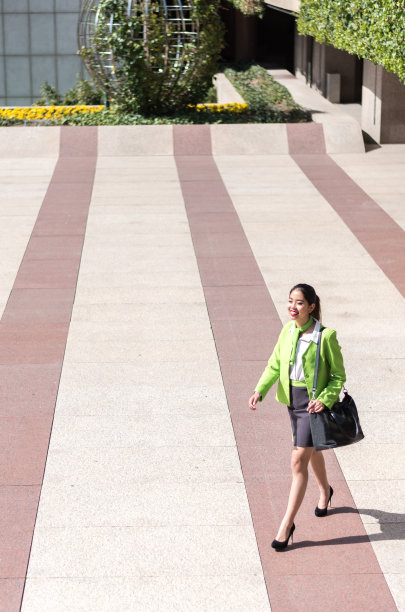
153 54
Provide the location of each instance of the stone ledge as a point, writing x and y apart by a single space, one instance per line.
226 92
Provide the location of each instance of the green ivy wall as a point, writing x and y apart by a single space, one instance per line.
372 29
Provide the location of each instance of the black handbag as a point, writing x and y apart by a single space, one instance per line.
339 426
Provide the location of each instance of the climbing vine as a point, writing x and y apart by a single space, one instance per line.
155 67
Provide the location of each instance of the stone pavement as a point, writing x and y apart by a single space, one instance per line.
323 111
144 273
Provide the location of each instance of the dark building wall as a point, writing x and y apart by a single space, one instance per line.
268 40
383 108
393 109
350 69
240 35
302 54
275 32
315 61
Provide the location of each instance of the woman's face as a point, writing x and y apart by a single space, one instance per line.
298 307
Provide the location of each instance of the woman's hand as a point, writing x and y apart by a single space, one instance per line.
253 400
315 406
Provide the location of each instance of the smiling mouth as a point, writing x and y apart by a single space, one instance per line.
293 313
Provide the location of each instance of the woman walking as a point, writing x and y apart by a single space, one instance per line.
293 363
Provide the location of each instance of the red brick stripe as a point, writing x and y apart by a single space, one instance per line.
33 335
332 565
379 234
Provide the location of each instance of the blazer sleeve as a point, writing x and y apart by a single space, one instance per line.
271 372
337 375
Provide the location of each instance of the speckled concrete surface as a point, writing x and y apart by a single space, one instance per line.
143 504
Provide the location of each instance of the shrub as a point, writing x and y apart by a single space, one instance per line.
84 92
372 29
211 96
49 95
250 7
155 67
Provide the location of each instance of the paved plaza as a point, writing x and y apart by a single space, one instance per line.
144 274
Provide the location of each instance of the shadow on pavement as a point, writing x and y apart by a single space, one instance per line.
386 521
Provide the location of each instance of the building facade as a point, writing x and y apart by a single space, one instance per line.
38 43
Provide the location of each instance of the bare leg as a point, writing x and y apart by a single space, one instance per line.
319 469
300 458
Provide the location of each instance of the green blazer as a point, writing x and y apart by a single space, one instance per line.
331 371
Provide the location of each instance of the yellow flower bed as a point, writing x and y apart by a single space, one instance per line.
235 107
35 113
58 113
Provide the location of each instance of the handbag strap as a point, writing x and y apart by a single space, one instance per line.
318 352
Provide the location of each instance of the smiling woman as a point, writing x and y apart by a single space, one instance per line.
299 308
292 363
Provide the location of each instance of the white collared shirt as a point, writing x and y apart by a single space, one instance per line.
296 370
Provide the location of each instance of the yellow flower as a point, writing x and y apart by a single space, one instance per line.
220 108
32 113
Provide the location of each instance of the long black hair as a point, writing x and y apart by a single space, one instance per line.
309 294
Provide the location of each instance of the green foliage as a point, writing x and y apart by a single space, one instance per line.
190 116
5 122
49 95
372 29
145 79
249 7
116 117
211 95
84 92
268 100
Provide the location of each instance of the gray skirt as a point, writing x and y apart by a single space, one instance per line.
299 416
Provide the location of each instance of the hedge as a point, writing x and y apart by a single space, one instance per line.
372 29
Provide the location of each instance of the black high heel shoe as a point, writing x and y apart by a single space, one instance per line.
277 545
324 511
